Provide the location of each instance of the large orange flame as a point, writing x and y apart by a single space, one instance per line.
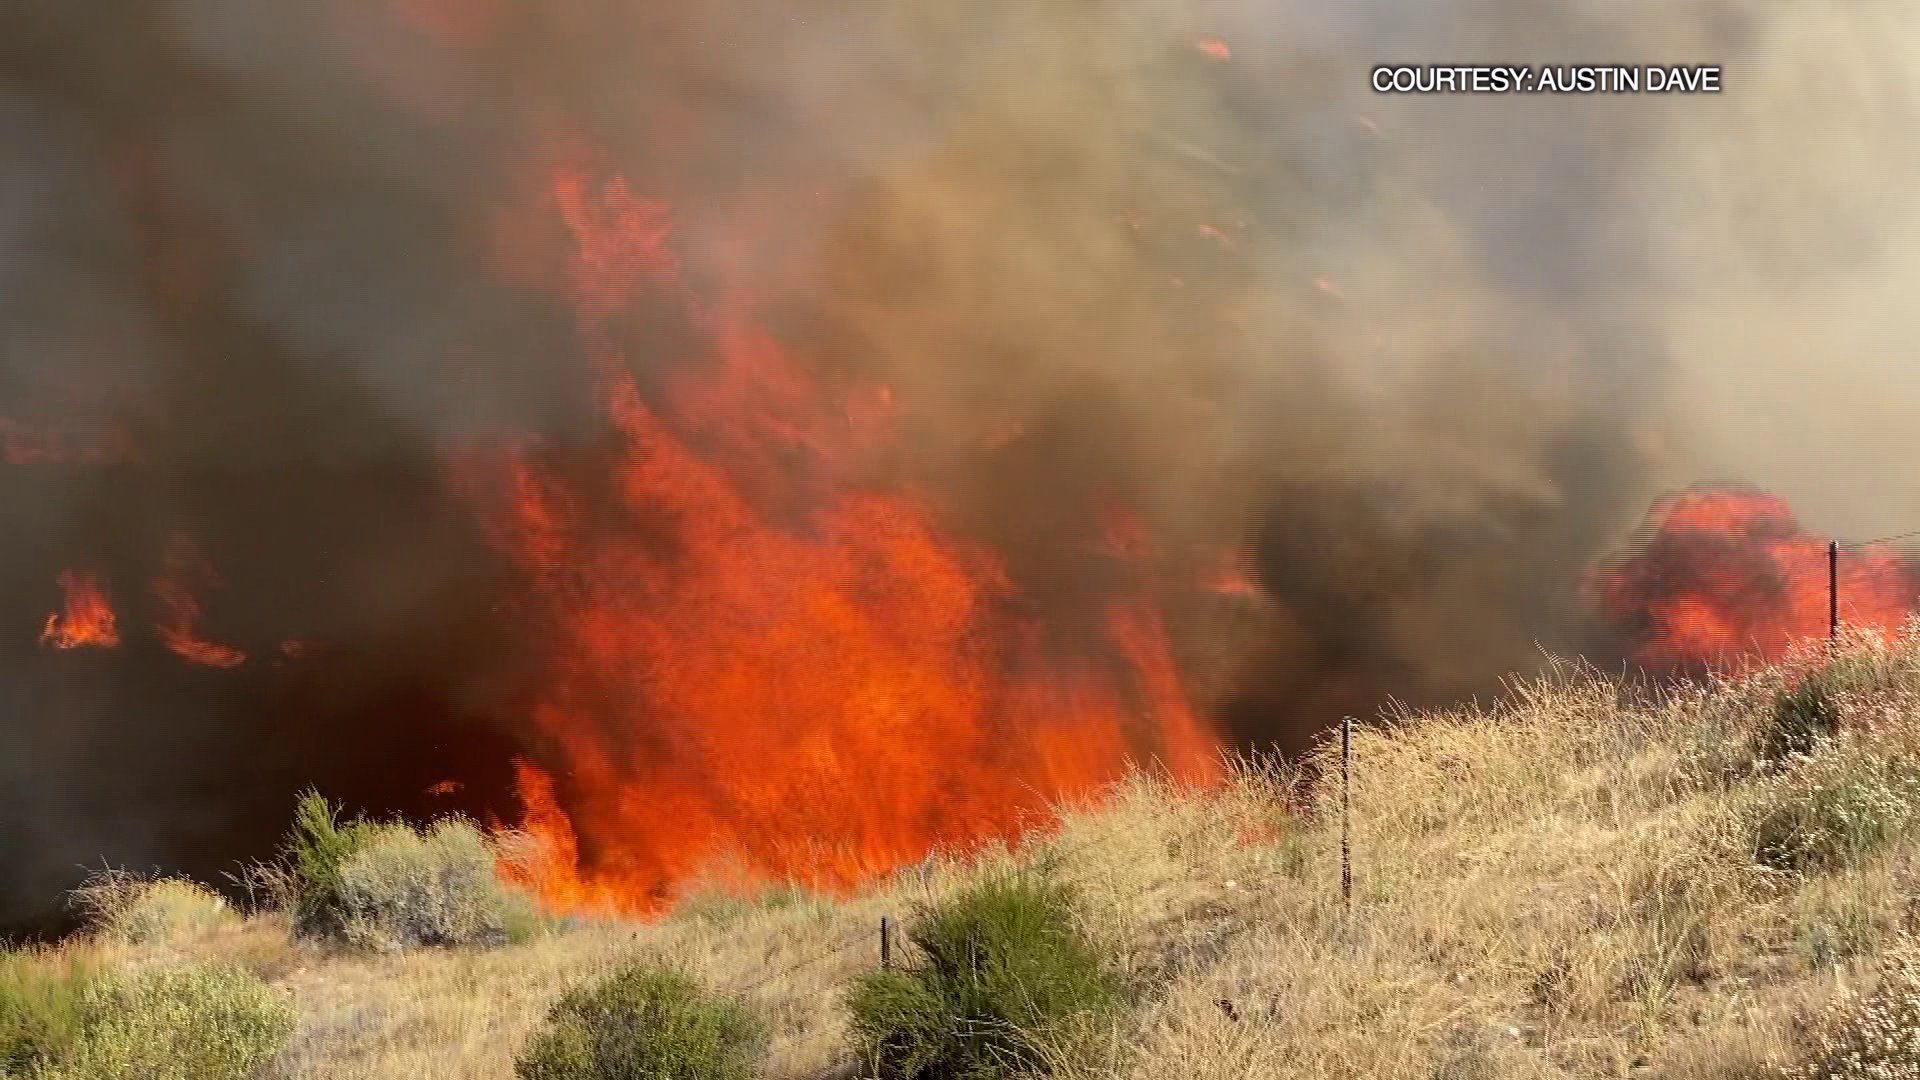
1727 577
820 695
86 620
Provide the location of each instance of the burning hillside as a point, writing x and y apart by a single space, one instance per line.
739 649
804 439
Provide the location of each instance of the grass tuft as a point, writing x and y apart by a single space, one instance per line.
41 1007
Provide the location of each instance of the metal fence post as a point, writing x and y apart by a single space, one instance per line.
1346 812
886 942
1833 590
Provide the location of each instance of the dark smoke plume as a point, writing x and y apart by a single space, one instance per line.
1422 359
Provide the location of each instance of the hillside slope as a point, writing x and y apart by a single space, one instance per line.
1579 882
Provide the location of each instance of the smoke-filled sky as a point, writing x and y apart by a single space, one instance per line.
1424 357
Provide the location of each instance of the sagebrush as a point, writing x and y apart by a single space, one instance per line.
1852 796
390 886
645 1022
1001 971
405 889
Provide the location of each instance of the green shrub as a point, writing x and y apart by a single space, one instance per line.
1003 970
207 1023
64 1022
644 1024
404 889
525 920
1808 709
314 852
126 907
1803 714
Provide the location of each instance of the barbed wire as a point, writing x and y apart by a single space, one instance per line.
1882 539
845 943
1051 845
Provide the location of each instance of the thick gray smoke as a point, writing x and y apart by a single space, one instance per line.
1420 358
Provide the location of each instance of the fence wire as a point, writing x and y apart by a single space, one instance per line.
1051 845
866 937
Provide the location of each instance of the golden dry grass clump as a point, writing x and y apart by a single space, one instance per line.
126 907
1586 880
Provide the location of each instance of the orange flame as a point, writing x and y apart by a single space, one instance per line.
87 620
819 694
1728 578
180 611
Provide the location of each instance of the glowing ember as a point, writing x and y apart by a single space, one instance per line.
22 445
1727 577
26 444
1213 233
1231 577
467 24
1215 48
816 694
87 619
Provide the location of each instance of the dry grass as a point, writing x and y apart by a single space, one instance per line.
1570 885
